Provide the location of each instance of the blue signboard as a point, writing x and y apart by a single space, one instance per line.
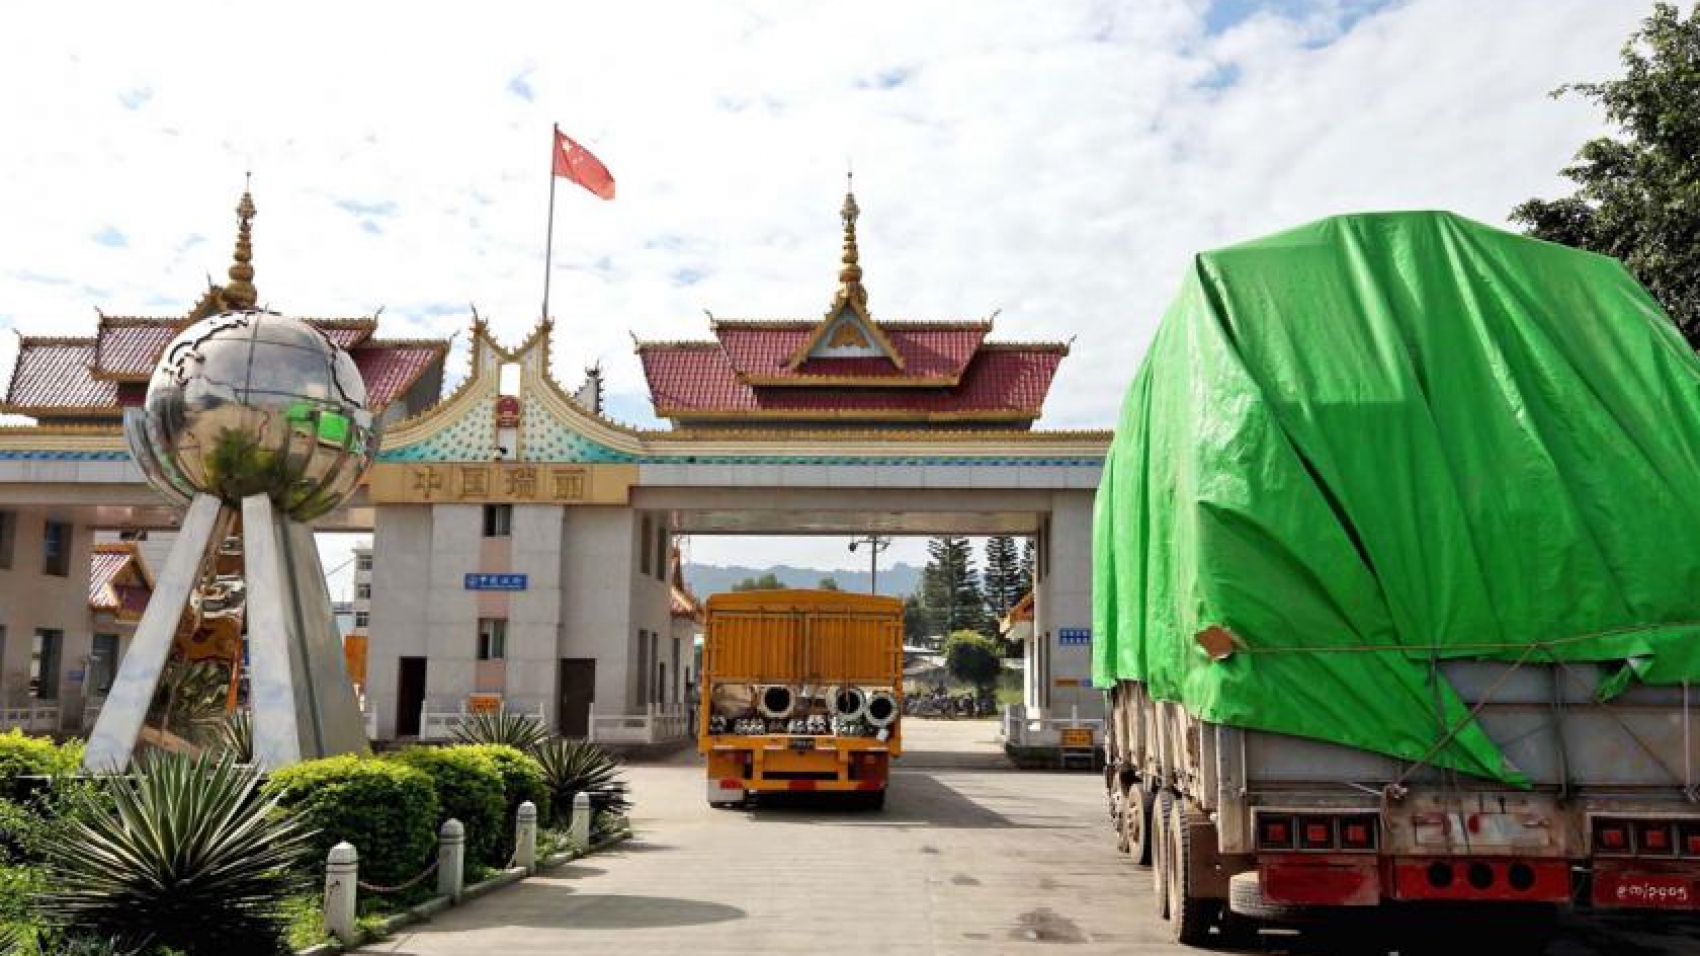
495 582
1074 636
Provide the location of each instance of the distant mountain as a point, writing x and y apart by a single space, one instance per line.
899 580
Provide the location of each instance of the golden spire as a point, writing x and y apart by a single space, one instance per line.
850 276
239 292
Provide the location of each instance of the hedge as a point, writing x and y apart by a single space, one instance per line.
469 789
25 756
522 780
388 810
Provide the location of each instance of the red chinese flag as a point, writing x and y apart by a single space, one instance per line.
574 162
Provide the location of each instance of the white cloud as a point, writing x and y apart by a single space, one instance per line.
1058 160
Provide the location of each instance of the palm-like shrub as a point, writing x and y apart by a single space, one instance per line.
189 855
519 731
233 735
575 766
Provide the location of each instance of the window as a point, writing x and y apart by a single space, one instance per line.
643 662
362 618
661 555
56 548
103 663
363 562
492 638
498 521
644 564
363 591
44 664
8 532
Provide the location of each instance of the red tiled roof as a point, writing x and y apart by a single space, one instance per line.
697 378
764 349
105 563
127 347
52 375
391 368
56 376
130 350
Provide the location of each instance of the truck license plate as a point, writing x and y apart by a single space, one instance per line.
802 743
1634 889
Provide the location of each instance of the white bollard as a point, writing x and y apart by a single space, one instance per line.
342 876
451 859
525 837
579 829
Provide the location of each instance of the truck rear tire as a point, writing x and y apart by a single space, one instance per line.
1190 916
1158 834
1136 824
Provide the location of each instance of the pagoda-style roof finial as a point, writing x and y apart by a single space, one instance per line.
239 292
850 274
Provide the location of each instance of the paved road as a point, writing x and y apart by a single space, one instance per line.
969 857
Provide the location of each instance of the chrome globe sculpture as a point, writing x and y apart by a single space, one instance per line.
255 423
249 403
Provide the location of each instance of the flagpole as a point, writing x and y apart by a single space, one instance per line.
549 243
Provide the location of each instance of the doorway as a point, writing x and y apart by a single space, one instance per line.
576 693
410 696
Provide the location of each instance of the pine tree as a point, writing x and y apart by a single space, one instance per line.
1004 582
1029 579
950 593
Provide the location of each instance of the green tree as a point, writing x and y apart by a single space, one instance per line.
950 591
973 659
1028 564
1004 583
767 582
917 625
1637 197
828 584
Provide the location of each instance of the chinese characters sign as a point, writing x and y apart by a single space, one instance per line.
495 582
501 481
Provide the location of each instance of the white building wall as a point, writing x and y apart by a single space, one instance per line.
596 613
451 615
534 614
31 599
1064 600
401 573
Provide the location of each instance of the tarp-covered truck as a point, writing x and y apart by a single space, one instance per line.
1397 582
801 691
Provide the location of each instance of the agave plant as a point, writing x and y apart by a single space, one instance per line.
233 735
518 731
577 766
190 855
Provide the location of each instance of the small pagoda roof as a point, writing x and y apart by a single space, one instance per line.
114 570
849 368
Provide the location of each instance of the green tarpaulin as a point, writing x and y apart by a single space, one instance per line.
1379 441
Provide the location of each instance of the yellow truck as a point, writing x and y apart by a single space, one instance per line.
801 691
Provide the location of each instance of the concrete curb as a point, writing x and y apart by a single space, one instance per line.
431 907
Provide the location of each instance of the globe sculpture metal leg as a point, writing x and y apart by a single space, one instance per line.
254 417
120 723
303 702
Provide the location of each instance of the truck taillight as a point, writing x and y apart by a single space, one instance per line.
1654 839
1316 833
1611 838
1359 832
1274 833
1691 839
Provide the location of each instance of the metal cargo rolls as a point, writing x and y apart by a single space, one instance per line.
881 708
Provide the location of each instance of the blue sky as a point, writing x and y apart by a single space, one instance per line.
1057 161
